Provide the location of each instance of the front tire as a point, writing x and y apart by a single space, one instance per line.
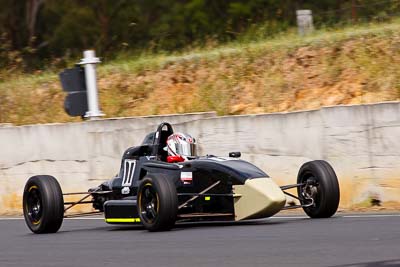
43 204
320 187
157 202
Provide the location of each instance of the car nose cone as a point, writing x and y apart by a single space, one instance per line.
257 198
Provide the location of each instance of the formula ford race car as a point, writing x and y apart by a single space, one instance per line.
157 190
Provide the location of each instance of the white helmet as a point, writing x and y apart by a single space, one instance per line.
180 144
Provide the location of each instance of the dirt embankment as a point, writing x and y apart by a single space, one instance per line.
248 79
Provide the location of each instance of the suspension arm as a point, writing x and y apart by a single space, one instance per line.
286 187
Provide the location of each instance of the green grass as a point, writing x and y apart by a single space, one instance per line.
286 41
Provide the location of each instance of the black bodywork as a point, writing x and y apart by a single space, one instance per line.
155 190
204 184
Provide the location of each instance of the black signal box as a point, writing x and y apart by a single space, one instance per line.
73 82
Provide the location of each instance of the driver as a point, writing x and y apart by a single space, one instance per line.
180 147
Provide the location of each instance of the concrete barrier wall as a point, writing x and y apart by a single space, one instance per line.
361 142
79 155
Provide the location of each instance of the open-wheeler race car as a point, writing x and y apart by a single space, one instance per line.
162 182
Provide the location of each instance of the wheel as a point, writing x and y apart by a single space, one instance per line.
320 189
157 202
43 204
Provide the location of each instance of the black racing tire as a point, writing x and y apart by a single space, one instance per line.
323 188
43 204
157 202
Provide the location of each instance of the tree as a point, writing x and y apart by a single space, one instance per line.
32 11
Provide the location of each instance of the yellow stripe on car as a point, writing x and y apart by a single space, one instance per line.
122 220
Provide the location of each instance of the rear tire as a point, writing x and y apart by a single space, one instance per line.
157 202
322 186
43 204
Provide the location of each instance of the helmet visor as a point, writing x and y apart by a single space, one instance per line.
187 149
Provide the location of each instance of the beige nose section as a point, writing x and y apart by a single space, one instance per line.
257 198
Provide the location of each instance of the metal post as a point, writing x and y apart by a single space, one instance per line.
89 62
305 22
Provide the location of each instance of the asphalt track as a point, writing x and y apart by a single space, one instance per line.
350 240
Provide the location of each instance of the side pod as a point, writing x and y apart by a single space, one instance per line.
121 212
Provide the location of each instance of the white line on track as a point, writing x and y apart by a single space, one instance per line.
371 216
289 217
88 218
81 218
342 216
275 217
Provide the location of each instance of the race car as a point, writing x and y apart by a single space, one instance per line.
163 181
